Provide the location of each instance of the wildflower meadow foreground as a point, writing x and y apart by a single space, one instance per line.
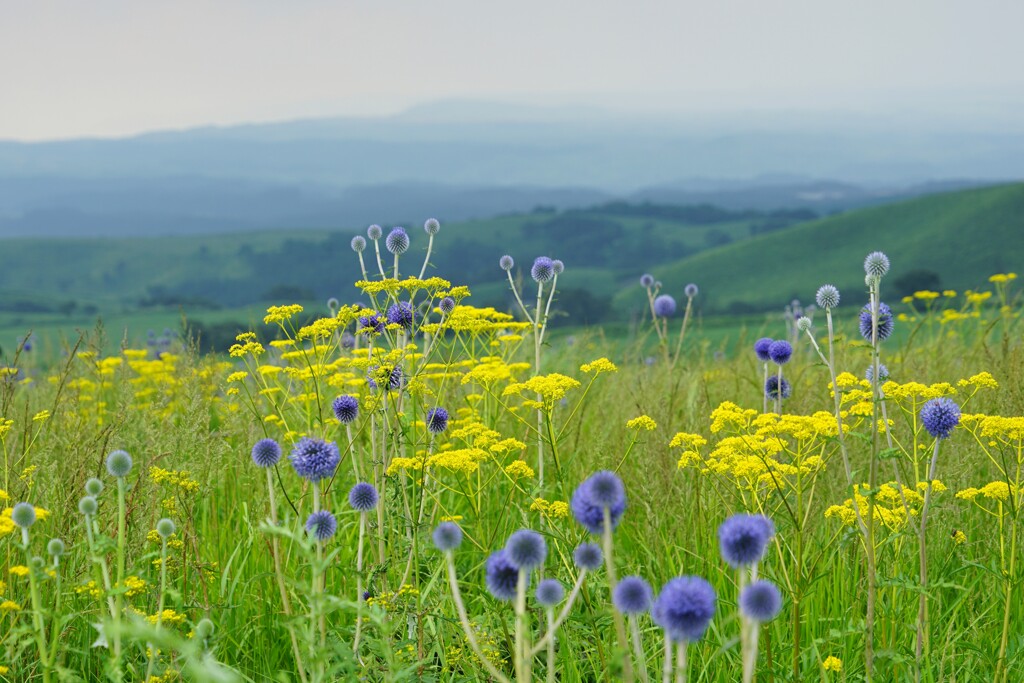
415 488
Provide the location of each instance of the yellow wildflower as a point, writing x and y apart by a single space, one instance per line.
643 422
598 366
9 606
519 468
832 664
279 314
19 570
959 537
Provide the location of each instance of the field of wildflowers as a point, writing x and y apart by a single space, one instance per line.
413 488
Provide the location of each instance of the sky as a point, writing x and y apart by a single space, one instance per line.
100 68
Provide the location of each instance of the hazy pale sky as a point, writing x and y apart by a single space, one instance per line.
70 68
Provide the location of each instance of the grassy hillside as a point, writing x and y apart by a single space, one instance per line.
954 240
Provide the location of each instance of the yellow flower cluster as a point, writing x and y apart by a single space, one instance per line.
91 589
598 366
174 479
167 617
557 509
518 469
643 422
465 460
551 388
892 504
832 663
281 314
390 600
995 490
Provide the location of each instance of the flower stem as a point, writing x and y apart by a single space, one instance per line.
638 648
620 625
282 589
521 663
37 609
666 668
682 671
467 628
359 583
160 605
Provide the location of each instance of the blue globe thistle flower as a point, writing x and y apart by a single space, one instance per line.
744 538
55 548
543 269
322 525
401 313
771 388
803 323
885 322
363 497
266 453
23 515
371 323
165 528
589 512
684 608
447 536
346 409
883 373
690 290
88 505
397 241
588 556
760 601
348 341
332 305
876 264
761 347
431 226
501 576
394 377
506 262
664 306
632 595
358 244
437 420
607 489
550 592
93 486
647 280
780 351
558 267
374 232
315 459
940 416
526 549
447 305
827 297
119 464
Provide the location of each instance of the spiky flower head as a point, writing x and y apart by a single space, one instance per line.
684 608
204 629
94 486
526 549
332 305
447 536
165 528
883 373
87 505
501 575
607 489
119 464
506 262
322 525
55 548
876 264
632 595
771 388
885 322
761 347
371 323
543 269
588 505
363 497
780 351
346 409
23 515
315 459
348 341
558 267
392 375
803 323
940 416
550 592
437 420
827 297
266 453
588 556
647 280
374 232
401 313
664 306
397 241
760 601
691 290
447 305
431 226
358 244
744 538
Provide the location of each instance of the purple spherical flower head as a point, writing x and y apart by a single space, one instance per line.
588 506
827 297
690 290
883 373
885 322
780 351
363 497
506 262
771 388
397 241
315 459
647 280
632 595
348 341
558 267
431 226
437 420
543 269
346 409
550 592
447 305
394 377
374 232
607 489
684 608
588 556
761 347
664 306
501 576
526 549
322 525
940 416
876 264
760 601
744 538
402 314
447 536
371 323
358 244
266 453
